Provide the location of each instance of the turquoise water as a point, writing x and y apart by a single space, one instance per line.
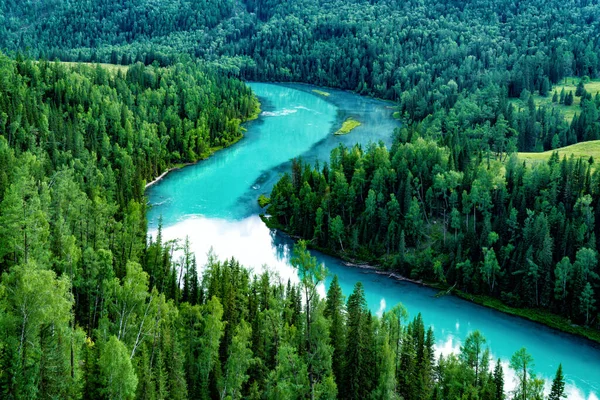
214 204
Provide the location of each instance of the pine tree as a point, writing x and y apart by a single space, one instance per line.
427 364
558 385
355 370
569 99
545 87
499 381
311 274
406 371
580 89
334 311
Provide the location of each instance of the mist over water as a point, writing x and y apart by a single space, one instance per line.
214 203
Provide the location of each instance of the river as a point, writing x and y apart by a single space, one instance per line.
214 204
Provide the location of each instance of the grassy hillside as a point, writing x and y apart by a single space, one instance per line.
569 85
583 150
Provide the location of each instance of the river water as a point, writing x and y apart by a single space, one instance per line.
214 204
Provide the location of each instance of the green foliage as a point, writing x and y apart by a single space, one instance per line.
490 226
238 361
522 364
118 376
76 145
31 300
78 142
498 379
367 47
558 385
473 352
263 201
290 379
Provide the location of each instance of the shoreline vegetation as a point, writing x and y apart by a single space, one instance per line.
210 152
542 317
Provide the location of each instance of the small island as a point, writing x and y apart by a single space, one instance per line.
348 125
320 92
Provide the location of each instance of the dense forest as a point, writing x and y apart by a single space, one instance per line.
524 233
425 54
90 307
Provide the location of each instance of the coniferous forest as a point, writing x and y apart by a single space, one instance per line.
91 307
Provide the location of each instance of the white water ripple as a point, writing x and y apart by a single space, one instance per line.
280 113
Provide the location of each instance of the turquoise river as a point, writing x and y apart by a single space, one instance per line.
214 204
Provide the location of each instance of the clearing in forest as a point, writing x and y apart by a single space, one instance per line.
569 85
580 150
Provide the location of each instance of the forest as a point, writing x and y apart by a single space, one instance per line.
430 57
523 233
91 307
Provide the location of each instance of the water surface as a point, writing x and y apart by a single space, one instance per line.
214 203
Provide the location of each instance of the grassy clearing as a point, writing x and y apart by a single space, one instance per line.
348 125
583 150
320 92
112 68
569 85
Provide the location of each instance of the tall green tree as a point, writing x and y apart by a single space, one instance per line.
334 311
238 362
117 373
472 352
522 364
558 385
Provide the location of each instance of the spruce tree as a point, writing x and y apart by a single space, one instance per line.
580 89
545 87
499 381
558 385
334 312
356 351
569 99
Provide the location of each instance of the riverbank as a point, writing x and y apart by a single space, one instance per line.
211 151
539 316
543 317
